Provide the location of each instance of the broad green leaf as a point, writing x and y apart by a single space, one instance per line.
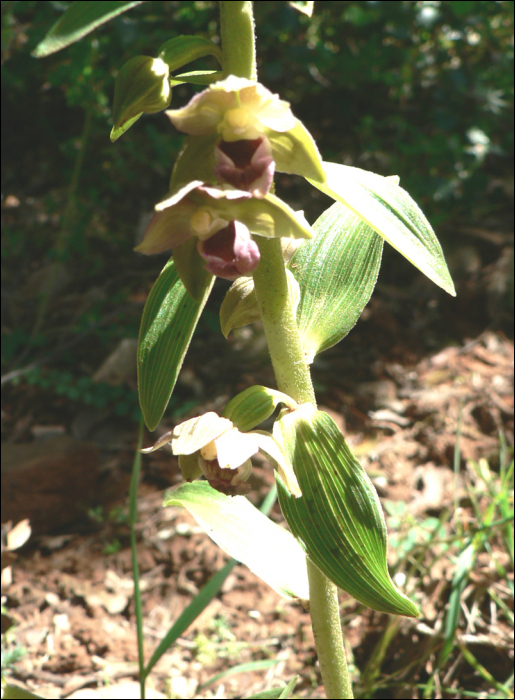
169 318
336 271
338 517
242 531
80 19
390 211
180 50
254 405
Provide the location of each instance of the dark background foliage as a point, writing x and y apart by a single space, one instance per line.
423 90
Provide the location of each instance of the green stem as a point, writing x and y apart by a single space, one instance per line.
238 41
288 360
327 630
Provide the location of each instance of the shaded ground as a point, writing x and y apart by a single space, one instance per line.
70 597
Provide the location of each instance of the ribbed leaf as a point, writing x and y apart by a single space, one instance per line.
169 318
336 271
80 19
239 528
338 517
390 211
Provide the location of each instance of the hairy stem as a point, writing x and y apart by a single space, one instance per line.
288 360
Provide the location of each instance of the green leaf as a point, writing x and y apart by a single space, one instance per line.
80 19
169 318
254 405
180 50
191 269
336 271
197 77
390 211
338 517
238 528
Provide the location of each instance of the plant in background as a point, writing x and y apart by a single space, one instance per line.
221 218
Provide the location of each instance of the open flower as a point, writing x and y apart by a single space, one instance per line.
221 222
252 131
213 447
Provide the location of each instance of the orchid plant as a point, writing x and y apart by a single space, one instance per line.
307 284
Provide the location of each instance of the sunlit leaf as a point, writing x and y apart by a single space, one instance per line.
181 50
169 318
336 271
338 517
390 211
80 19
242 531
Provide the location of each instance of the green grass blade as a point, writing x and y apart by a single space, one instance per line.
202 600
190 614
240 668
133 518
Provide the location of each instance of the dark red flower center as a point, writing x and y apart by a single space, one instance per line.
221 245
240 152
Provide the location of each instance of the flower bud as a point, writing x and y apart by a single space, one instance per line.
142 86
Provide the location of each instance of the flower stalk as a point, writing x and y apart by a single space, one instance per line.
290 366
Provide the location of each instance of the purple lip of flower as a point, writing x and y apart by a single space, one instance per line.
231 252
220 479
246 164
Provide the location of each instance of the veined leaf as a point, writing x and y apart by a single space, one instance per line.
390 211
338 517
169 318
336 271
242 531
181 50
80 19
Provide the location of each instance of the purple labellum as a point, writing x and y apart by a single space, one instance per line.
220 479
246 164
230 252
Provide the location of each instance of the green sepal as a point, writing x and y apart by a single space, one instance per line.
80 19
239 307
390 211
196 161
169 318
339 517
254 405
189 466
141 86
296 153
336 272
269 216
190 268
180 50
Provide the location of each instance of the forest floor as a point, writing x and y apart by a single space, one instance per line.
409 416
